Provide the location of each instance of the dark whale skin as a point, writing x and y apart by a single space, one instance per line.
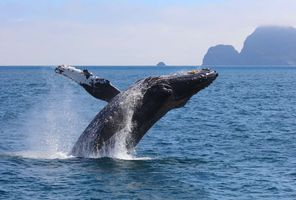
134 111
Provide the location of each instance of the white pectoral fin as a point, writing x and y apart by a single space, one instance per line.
77 75
98 87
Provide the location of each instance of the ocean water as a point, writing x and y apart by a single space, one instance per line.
234 140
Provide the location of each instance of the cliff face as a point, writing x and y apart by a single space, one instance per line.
225 54
265 46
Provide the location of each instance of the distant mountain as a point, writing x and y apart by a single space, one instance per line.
267 45
225 54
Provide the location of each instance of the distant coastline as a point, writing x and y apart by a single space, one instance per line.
126 67
267 45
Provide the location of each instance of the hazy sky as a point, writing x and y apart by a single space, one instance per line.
129 32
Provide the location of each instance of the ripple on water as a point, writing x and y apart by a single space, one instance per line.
234 140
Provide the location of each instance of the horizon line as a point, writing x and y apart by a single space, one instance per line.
155 66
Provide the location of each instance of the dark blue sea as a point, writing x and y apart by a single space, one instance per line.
234 140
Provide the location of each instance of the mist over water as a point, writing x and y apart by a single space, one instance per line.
53 123
233 140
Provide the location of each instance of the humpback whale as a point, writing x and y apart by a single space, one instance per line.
131 113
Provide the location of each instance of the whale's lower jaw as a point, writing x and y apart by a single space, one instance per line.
131 113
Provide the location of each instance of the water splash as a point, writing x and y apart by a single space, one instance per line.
116 147
53 125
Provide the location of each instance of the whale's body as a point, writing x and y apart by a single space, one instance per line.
131 113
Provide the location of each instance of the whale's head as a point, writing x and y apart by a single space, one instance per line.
177 89
185 85
164 93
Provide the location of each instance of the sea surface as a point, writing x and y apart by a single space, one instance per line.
234 140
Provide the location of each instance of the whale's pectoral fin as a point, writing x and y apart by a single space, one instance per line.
98 87
101 89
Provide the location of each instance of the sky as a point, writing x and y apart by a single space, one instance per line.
130 32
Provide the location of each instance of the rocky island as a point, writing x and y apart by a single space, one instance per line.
267 45
161 64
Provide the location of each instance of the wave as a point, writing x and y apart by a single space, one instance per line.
45 155
41 155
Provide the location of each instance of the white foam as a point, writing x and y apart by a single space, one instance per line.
134 158
42 155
